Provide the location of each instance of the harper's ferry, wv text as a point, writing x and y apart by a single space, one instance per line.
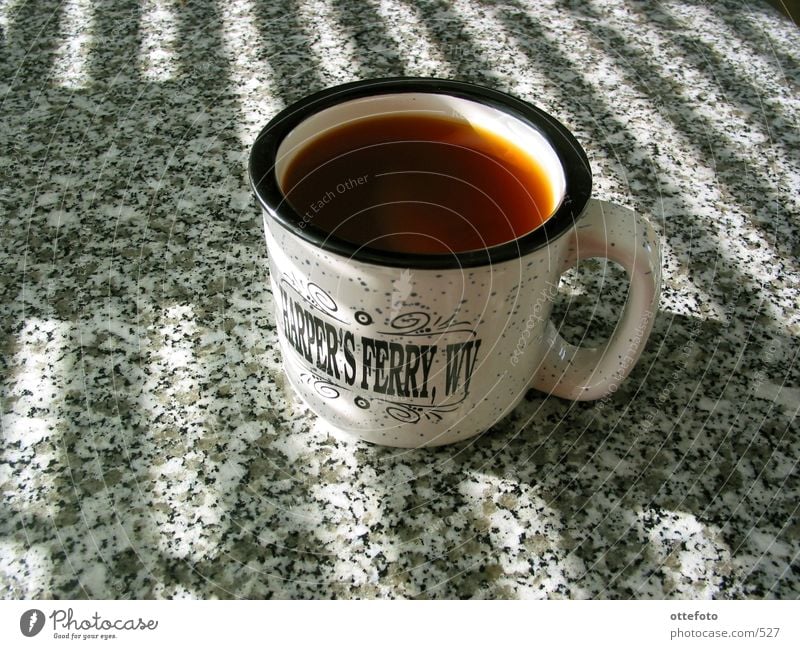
403 369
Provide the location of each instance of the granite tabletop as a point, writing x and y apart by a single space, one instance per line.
150 447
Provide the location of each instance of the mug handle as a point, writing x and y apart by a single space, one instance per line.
620 235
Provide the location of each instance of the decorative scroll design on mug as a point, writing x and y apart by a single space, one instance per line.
313 295
403 413
408 413
322 386
418 323
451 325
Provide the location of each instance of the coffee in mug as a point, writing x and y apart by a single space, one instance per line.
420 183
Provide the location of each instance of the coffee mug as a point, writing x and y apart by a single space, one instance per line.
414 349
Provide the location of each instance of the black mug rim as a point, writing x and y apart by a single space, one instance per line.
573 159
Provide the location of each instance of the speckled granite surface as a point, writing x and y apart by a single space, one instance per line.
149 445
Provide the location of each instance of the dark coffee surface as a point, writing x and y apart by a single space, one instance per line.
418 184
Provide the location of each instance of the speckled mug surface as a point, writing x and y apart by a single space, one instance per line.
418 350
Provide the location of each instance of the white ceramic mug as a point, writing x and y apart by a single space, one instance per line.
421 350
